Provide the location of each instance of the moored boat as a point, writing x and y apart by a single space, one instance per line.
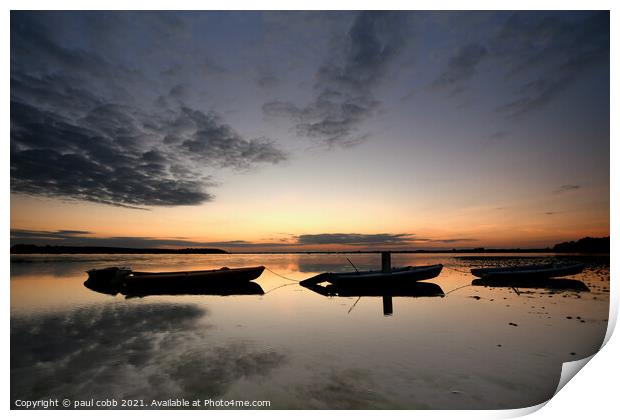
126 278
526 272
108 276
394 276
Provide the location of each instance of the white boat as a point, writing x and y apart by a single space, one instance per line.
397 275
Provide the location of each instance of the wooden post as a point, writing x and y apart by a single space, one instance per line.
386 267
387 306
386 262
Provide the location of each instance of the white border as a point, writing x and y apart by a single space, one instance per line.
593 394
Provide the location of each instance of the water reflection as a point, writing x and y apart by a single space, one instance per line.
551 284
213 289
129 351
387 291
294 346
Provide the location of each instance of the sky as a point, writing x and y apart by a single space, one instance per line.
273 131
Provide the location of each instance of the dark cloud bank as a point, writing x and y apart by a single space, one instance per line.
77 133
561 50
82 238
345 81
541 54
370 239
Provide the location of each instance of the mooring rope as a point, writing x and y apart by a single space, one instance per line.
454 290
458 271
280 275
295 281
278 287
351 308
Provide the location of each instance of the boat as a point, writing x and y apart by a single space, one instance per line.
181 288
525 272
399 275
108 275
126 278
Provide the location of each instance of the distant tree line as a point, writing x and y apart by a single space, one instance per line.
55 249
585 245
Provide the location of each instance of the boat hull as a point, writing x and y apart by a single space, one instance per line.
110 277
138 279
114 280
534 272
397 276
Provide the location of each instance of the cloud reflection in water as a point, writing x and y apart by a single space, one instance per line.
148 351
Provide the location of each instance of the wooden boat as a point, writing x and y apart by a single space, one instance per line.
124 277
398 275
543 271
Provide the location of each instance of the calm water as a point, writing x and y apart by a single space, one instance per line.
476 347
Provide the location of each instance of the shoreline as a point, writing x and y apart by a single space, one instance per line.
586 245
458 251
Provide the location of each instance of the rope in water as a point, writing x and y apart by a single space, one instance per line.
278 287
351 308
280 275
458 271
454 290
294 281
460 287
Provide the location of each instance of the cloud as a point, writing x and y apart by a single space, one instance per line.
354 238
540 54
396 239
83 238
43 234
452 240
561 51
567 188
79 132
460 68
266 78
498 135
204 138
345 81
347 389
97 159
120 350
113 154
